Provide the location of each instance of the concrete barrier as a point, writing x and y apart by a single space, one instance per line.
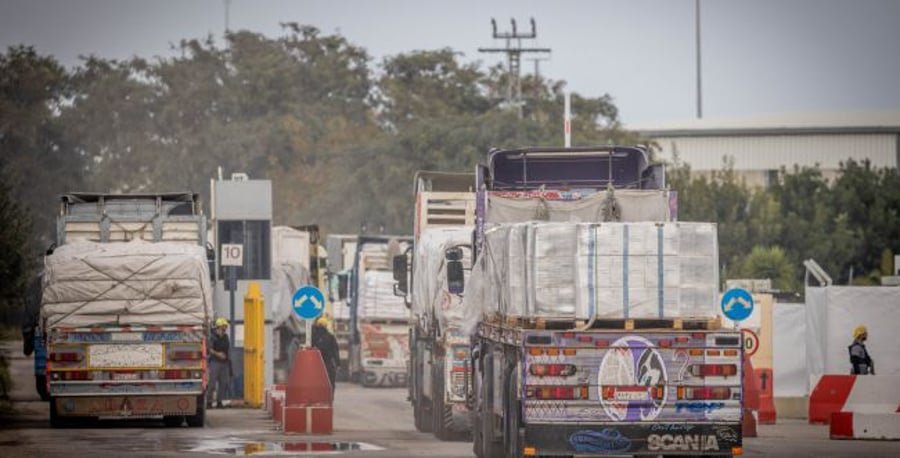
854 425
876 394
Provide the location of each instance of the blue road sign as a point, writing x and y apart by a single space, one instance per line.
309 303
737 304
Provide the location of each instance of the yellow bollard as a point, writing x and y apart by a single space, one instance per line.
254 345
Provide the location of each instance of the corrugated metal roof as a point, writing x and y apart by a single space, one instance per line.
870 122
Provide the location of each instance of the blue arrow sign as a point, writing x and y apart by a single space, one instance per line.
737 304
309 303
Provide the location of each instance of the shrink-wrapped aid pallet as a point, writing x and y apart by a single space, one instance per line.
377 299
551 266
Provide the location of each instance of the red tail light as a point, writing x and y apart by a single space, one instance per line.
185 355
682 339
704 392
76 375
553 370
712 370
557 392
585 339
665 343
67 356
601 343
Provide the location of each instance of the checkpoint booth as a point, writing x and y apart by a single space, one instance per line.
241 214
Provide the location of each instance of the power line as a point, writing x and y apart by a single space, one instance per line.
514 51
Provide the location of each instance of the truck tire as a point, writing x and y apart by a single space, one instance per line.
173 421
40 384
511 415
55 420
198 420
439 411
490 447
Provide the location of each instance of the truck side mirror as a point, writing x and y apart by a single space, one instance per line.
401 275
456 282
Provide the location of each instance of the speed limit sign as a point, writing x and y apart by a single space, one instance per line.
751 342
232 254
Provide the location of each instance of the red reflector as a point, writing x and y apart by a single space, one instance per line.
585 338
665 343
601 343
176 374
682 339
699 335
556 392
568 335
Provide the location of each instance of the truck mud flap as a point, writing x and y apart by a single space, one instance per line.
650 439
127 406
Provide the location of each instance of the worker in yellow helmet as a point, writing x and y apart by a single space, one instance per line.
326 343
860 361
219 363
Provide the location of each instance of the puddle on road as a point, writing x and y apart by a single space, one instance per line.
275 448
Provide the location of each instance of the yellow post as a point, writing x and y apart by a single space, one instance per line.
254 345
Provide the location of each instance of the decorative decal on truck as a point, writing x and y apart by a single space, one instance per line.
605 440
632 361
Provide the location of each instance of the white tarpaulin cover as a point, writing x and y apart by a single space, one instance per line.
831 314
129 283
429 292
631 205
377 299
287 278
789 350
607 270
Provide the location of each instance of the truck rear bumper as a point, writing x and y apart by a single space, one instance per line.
131 406
587 439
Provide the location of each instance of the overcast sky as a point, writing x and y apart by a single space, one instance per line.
760 57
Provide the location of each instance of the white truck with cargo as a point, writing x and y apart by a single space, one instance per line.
594 314
439 350
126 308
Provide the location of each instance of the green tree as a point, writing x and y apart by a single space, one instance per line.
770 262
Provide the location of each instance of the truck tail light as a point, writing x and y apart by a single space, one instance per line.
585 339
179 374
185 355
552 370
557 392
704 392
601 343
682 339
76 375
714 370
66 356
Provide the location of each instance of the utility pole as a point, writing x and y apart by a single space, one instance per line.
514 51
699 85
227 11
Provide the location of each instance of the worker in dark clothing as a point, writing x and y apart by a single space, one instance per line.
219 363
860 361
325 341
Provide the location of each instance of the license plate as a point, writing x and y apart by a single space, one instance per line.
126 355
632 396
131 376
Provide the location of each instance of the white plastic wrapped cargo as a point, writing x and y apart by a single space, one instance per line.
430 294
607 270
287 278
377 299
132 283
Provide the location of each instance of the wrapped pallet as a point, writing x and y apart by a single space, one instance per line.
126 284
431 296
602 270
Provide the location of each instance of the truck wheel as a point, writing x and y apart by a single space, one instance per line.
441 430
40 384
511 415
422 417
199 419
56 421
489 446
173 421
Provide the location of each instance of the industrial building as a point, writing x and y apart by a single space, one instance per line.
759 147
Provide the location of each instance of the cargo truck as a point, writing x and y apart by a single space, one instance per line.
341 251
439 351
297 260
125 308
593 314
379 320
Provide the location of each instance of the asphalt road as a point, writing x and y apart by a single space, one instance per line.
367 423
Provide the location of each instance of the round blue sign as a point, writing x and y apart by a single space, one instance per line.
308 302
737 304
